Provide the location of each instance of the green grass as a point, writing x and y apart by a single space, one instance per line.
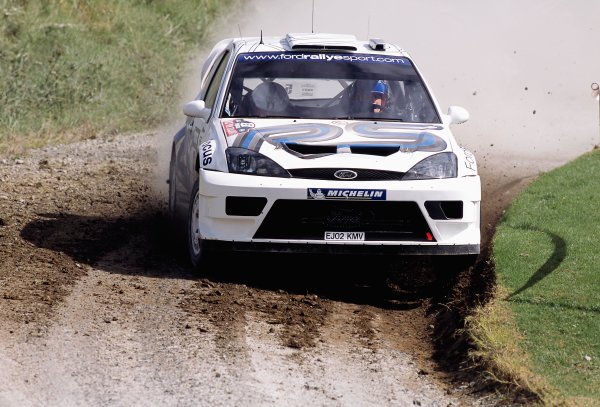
73 69
547 250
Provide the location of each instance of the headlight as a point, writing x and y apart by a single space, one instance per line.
243 161
443 165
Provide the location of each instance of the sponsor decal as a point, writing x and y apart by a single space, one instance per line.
236 126
389 133
353 194
322 57
374 134
206 153
470 162
296 133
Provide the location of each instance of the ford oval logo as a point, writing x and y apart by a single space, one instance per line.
345 174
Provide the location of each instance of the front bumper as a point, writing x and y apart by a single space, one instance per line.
277 214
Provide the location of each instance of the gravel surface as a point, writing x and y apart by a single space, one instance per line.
99 307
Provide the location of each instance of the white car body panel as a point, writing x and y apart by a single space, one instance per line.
220 226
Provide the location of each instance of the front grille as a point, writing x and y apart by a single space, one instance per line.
310 219
363 174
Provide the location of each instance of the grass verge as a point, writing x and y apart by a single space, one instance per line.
76 69
542 330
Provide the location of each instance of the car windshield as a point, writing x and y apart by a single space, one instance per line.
328 86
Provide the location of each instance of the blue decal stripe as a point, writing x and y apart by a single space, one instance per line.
246 139
307 132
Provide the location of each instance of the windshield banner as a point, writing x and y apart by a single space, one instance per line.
323 57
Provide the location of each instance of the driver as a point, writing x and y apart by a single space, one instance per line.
379 96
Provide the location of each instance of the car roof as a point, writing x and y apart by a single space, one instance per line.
315 42
309 42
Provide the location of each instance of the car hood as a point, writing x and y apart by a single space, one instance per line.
293 143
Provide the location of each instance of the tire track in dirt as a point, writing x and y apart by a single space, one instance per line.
114 340
328 345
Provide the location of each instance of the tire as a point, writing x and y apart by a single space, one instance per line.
454 263
464 261
177 236
448 270
195 243
172 208
171 196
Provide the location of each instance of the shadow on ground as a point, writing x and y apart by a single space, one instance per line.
144 244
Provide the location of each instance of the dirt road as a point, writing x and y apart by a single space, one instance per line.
98 307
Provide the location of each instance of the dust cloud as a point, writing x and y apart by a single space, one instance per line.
522 69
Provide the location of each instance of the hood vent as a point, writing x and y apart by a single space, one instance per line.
313 151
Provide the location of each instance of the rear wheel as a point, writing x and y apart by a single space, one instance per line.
177 237
195 243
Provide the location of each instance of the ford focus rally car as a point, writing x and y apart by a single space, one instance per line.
321 143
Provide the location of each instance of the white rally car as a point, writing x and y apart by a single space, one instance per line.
321 143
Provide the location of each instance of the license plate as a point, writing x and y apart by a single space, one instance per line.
345 236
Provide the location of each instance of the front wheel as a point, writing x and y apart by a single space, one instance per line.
195 242
448 264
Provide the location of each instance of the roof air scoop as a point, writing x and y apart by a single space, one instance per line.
329 42
377 44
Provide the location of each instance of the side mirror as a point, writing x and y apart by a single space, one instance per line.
196 108
458 114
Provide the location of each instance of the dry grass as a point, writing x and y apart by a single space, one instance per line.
494 332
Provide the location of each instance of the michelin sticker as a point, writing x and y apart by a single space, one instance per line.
353 194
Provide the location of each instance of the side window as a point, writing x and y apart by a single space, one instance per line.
213 86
